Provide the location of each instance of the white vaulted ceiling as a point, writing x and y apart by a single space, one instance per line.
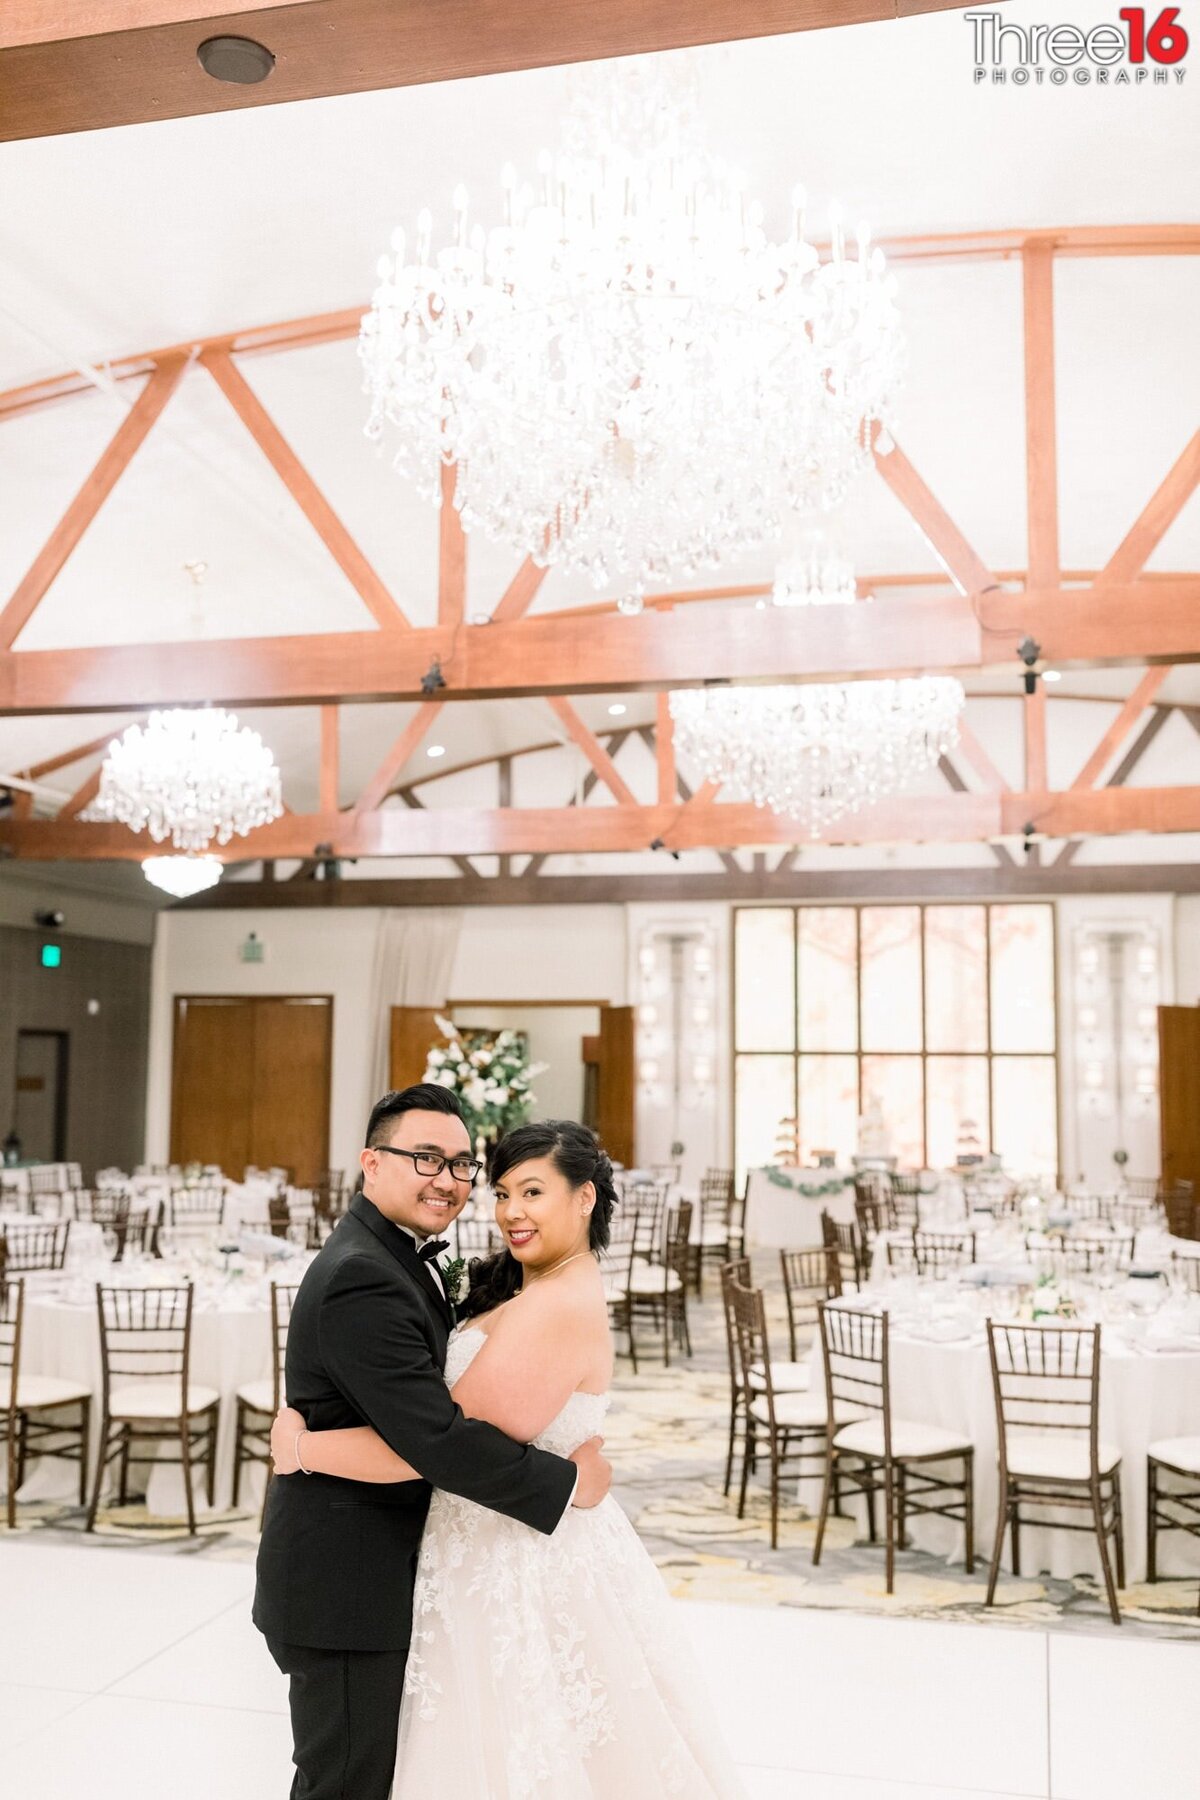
119 241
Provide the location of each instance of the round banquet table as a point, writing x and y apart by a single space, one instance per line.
1144 1395
231 1344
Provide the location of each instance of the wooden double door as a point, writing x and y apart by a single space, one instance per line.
251 1082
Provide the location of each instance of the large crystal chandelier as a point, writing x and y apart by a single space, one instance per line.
631 376
190 776
819 753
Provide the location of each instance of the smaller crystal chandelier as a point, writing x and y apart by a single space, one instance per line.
818 753
817 576
182 876
190 776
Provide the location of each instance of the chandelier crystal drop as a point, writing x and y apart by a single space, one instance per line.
819 753
632 377
182 876
190 776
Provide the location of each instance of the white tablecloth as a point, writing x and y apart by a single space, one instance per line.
231 1344
1143 1396
784 1206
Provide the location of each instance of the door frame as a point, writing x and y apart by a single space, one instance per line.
62 1044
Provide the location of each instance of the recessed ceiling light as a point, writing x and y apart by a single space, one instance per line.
616 710
235 59
1051 675
436 750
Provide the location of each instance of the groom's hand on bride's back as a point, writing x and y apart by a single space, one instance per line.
595 1474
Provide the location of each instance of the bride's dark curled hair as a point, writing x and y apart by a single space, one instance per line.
579 1156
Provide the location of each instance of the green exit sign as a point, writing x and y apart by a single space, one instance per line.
51 956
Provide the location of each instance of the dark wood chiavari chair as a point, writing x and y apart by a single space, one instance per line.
259 1401
735 1271
648 1199
790 1427
148 1397
109 1209
669 1173
873 1452
1134 1214
809 1276
475 1238
842 1237
901 1255
1184 1269
904 1193
1173 1505
195 1206
1096 1253
38 1244
872 1210
658 1290
940 1253
47 1191
716 1220
26 1400
1084 1207
1046 1385
616 1266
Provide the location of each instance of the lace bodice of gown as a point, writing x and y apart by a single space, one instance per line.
581 1418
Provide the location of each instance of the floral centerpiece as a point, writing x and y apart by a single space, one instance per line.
491 1077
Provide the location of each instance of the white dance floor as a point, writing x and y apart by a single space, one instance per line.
132 1676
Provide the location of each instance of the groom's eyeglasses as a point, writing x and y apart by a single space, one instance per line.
428 1162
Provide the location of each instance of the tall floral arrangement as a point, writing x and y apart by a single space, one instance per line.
492 1079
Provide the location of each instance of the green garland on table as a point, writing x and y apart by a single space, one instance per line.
809 1190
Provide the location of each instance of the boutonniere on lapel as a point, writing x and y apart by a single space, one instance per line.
454 1278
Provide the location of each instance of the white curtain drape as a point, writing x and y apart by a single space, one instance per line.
414 957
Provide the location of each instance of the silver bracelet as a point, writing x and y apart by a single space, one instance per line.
299 1463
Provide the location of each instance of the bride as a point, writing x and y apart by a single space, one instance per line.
540 1666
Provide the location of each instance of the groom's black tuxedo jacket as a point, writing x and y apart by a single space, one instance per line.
367 1346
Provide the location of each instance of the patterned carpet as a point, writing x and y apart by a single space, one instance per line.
666 1437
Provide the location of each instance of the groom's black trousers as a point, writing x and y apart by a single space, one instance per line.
345 1716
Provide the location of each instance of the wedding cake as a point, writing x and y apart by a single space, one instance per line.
874 1142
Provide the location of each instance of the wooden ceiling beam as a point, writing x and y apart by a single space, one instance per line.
113 461
1144 623
593 749
1121 727
674 883
104 71
279 336
974 753
664 750
1041 427
965 568
1156 517
452 554
521 592
329 765
451 831
83 796
377 788
1034 719
366 583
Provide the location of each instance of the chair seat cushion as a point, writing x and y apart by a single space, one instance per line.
796 1410
786 1377
1060 1458
714 1233
909 1439
158 1400
48 1390
649 1279
258 1394
1180 1453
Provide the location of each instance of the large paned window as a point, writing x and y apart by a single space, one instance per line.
940 1013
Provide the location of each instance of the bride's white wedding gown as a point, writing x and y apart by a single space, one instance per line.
549 1666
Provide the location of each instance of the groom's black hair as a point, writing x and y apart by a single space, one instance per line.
423 1096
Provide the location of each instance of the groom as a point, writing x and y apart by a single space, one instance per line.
367 1345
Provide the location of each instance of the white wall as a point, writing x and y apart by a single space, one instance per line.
1187 950
504 953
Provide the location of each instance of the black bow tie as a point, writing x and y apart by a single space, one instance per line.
434 1247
